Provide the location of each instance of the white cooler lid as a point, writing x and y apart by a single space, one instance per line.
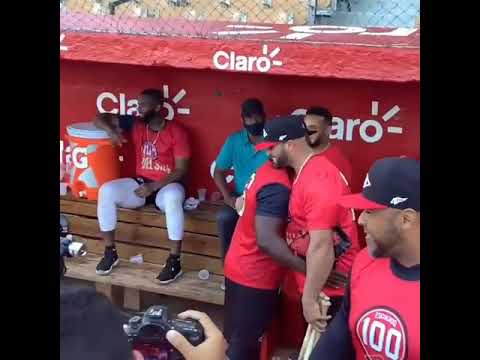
86 130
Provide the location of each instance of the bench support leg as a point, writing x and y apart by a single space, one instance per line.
132 299
114 293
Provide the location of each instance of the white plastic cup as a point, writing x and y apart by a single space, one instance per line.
137 259
203 274
202 194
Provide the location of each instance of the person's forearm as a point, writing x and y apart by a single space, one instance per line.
320 258
104 122
278 249
175 176
219 178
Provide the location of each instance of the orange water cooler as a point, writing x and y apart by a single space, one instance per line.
95 160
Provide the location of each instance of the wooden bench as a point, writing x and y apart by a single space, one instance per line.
144 232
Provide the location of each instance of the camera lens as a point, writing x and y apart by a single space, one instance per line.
135 322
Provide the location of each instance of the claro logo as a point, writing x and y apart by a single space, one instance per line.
223 60
370 130
108 102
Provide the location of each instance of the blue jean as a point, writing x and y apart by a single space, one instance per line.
227 219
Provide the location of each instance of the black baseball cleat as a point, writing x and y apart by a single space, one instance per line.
108 262
171 271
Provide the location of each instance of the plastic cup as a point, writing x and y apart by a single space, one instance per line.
137 259
203 274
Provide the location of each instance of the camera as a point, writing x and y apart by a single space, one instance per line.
68 247
147 333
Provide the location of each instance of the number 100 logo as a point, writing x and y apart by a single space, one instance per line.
382 335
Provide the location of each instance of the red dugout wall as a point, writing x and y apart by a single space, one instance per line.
369 78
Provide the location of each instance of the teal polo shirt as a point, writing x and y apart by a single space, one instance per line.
238 152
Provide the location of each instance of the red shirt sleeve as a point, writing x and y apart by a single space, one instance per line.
181 145
321 207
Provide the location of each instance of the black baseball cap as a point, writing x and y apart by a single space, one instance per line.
281 129
390 183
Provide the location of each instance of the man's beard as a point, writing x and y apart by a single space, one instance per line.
149 116
315 143
384 249
274 164
280 163
379 252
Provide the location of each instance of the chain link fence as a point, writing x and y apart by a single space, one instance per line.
195 18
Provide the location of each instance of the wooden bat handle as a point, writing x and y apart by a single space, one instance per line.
312 336
305 342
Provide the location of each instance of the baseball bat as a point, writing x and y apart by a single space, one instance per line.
312 336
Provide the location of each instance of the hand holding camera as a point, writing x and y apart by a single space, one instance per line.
214 347
191 336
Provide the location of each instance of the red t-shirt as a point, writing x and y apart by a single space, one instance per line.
384 317
337 158
245 263
156 161
314 206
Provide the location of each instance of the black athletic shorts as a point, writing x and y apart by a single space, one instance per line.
248 314
151 198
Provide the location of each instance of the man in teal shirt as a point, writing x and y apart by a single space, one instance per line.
238 152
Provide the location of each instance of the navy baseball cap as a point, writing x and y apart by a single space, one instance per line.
390 183
281 129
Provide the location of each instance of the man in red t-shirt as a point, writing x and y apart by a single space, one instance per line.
380 315
319 229
256 261
318 121
162 153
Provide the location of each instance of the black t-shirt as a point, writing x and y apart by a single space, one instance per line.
272 201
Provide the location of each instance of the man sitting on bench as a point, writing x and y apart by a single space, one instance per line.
162 155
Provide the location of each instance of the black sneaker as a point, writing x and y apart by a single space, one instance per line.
171 271
109 261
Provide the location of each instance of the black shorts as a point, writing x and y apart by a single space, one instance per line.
248 314
336 303
151 198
